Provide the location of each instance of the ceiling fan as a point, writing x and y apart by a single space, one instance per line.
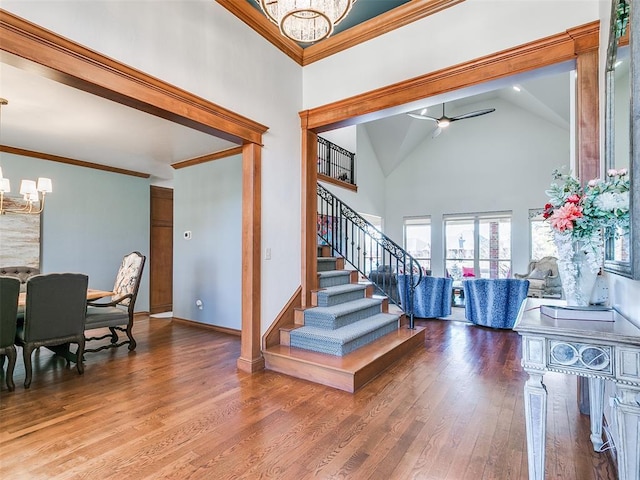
444 121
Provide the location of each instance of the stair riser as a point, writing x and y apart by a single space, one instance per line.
325 282
327 265
328 301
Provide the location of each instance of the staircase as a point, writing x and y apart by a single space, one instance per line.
347 337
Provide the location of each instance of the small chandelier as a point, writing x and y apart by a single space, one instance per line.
31 192
306 21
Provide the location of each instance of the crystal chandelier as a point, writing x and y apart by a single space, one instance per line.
32 192
306 21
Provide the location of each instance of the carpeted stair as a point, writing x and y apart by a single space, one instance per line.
345 319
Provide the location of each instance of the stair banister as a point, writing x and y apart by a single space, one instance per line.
365 247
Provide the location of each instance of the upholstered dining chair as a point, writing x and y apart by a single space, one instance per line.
54 316
9 291
117 315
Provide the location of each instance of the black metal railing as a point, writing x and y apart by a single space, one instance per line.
336 162
368 250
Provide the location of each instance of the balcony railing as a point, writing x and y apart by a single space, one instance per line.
336 162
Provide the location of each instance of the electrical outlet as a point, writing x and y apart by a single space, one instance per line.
267 254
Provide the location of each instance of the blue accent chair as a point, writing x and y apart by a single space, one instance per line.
432 297
494 302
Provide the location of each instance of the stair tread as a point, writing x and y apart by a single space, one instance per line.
334 273
348 332
342 308
337 289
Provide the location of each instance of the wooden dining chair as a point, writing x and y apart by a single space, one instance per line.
9 291
54 316
117 315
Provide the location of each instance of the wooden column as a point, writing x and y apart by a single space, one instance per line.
588 116
309 173
251 358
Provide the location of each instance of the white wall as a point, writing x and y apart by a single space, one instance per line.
498 162
91 220
369 177
201 47
208 267
466 31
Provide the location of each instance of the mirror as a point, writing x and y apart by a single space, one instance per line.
621 81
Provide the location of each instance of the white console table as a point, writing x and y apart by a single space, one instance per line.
596 350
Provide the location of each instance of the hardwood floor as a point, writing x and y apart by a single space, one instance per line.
178 408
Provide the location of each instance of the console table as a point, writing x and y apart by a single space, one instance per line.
596 350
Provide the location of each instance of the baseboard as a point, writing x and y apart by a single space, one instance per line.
206 326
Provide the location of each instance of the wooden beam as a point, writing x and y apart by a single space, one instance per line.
251 359
309 195
533 55
31 47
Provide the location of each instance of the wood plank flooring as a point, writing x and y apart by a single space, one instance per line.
178 408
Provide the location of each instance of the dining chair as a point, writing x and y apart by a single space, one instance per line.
54 316
117 315
9 291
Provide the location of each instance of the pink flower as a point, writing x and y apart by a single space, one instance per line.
563 217
612 173
593 182
573 198
622 172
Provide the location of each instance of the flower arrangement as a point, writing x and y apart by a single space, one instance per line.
585 214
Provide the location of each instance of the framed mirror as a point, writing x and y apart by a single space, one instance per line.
622 253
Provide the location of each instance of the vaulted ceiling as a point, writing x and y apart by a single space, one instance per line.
107 133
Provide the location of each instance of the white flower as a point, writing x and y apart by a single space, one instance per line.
610 201
612 172
593 182
622 172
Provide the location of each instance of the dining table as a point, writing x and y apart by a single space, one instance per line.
92 294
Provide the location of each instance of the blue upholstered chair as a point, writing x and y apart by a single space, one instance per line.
494 302
432 297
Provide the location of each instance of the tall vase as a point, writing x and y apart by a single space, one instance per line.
578 273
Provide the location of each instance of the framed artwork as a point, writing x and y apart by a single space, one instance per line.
19 236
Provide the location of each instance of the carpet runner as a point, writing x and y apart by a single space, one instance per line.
345 319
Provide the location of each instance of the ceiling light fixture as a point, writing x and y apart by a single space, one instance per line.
29 189
306 21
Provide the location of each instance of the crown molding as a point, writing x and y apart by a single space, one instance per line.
207 158
384 23
70 161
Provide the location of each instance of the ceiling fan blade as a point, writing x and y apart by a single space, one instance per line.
422 117
477 113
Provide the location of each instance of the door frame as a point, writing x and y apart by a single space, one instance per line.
30 47
579 44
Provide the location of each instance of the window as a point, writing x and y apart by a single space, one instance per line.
478 245
417 239
542 244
